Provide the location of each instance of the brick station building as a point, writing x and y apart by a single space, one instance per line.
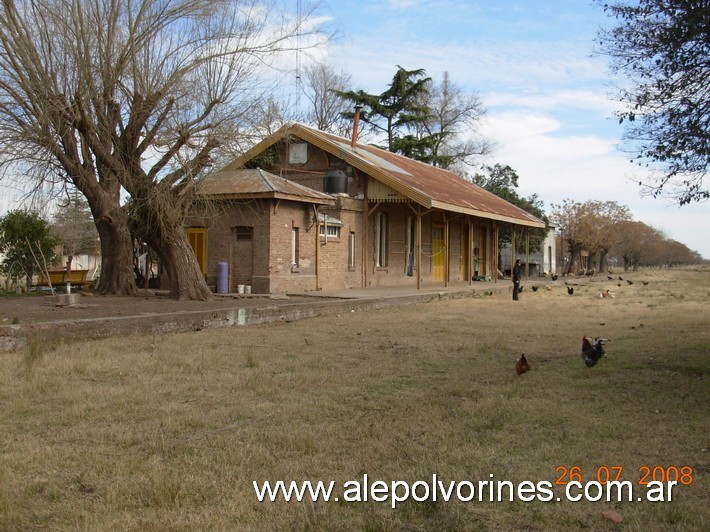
307 210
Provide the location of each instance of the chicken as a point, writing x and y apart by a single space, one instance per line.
610 277
645 283
592 350
570 290
535 287
522 366
605 293
629 281
554 277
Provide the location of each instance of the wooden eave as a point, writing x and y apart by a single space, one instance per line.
485 214
270 195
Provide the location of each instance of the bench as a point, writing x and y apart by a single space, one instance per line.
59 277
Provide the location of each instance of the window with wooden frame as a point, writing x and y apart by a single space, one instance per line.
331 231
244 233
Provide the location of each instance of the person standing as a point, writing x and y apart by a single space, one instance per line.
517 273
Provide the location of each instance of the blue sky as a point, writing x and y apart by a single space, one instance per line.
532 64
534 67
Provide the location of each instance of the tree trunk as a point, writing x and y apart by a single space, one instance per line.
179 262
117 276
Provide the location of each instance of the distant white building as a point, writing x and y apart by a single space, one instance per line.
541 262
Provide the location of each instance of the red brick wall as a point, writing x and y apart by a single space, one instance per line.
265 262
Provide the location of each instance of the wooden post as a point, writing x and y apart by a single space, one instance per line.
419 247
494 245
317 226
512 248
469 273
365 234
67 274
446 250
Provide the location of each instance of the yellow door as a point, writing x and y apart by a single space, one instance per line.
483 252
197 236
465 252
437 252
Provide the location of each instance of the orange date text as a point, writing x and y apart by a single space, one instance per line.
603 474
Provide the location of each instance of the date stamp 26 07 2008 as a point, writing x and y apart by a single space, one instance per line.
658 481
682 475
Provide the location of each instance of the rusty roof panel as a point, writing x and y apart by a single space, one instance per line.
251 183
420 182
444 188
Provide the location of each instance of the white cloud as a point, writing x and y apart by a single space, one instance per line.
548 97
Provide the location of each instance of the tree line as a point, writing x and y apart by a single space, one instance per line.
606 232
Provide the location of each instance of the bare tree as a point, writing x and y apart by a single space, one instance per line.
453 122
325 108
133 95
74 226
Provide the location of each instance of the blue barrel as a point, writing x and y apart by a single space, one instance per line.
222 277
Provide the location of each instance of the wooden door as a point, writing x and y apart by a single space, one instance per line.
243 255
483 252
197 237
465 252
437 252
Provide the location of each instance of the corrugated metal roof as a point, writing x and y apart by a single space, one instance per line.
425 184
257 183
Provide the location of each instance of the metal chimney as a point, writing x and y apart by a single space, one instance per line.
356 121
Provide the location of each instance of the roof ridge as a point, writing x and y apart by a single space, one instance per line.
268 182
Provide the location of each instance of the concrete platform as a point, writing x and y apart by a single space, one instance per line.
239 311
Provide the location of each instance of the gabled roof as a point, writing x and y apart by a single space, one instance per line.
427 185
257 183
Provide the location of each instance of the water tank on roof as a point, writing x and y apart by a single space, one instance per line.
335 182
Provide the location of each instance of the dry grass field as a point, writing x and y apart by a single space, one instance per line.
169 432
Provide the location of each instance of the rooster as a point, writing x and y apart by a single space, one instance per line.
522 366
570 290
592 350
